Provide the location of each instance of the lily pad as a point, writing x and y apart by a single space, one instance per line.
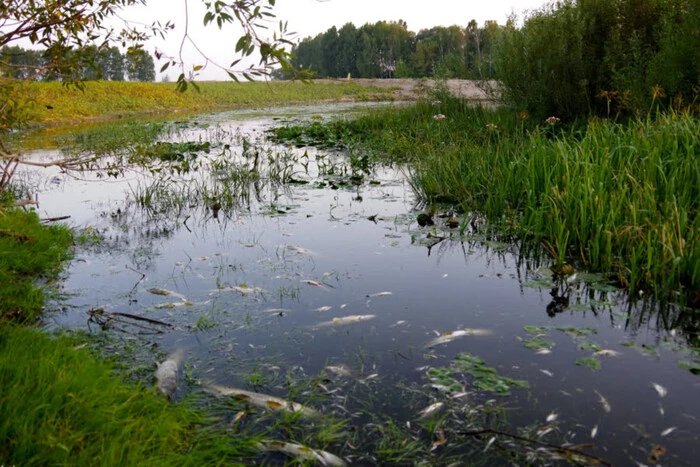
536 330
591 362
589 346
536 343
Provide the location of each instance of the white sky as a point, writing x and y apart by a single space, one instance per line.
311 17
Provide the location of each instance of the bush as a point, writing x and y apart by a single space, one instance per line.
608 57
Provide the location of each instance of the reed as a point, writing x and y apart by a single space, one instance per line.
611 197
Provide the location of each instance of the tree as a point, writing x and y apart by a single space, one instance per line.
140 66
72 34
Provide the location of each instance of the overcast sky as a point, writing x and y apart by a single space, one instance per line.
311 17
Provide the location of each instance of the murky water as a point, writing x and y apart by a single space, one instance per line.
260 291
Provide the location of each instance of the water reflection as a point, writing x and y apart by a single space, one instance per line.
265 244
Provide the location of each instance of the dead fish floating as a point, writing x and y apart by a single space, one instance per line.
241 289
452 335
166 292
430 410
303 453
350 319
264 401
379 294
167 374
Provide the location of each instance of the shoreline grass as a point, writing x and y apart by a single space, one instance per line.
620 198
60 403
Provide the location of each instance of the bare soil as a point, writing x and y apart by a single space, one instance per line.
412 89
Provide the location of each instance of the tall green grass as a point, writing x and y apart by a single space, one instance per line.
61 406
620 198
27 250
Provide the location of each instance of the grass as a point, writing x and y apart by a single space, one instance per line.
62 406
54 104
621 198
28 251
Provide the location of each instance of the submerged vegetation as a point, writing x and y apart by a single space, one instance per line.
600 195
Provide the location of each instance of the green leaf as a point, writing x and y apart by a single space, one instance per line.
537 330
591 362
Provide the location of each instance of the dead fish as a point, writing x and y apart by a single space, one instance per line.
400 322
594 431
431 409
543 351
668 431
607 353
323 308
303 452
488 445
340 370
299 250
263 401
552 417
452 335
168 306
310 282
350 319
165 292
242 289
547 372
603 401
280 311
380 294
662 391
168 372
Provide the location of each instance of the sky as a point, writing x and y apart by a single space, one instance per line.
309 18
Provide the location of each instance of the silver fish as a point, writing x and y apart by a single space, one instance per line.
607 353
668 431
449 336
263 401
303 452
431 409
167 374
165 292
350 319
662 391
380 294
603 402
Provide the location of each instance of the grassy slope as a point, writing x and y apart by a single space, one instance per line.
106 100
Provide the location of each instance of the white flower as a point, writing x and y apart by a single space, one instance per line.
439 117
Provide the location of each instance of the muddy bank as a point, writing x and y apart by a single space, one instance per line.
411 89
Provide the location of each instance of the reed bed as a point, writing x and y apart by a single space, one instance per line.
615 197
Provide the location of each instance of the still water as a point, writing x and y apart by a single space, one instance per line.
337 283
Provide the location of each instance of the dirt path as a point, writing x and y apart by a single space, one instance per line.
411 89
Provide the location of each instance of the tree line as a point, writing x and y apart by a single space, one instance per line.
87 63
390 50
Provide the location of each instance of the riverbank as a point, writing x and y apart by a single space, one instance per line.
61 402
54 105
617 198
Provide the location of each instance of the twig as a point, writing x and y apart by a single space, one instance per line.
54 219
143 276
561 449
141 318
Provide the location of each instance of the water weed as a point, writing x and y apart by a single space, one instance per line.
616 198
